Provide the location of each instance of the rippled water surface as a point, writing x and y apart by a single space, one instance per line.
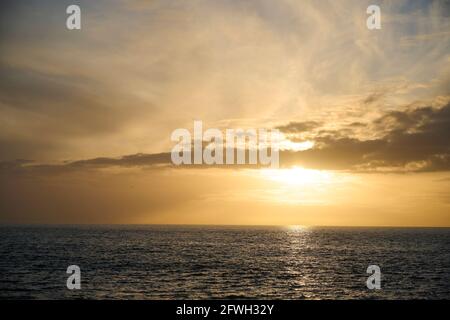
177 262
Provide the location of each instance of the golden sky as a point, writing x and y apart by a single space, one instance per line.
86 115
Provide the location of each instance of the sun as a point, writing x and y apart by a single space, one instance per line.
297 176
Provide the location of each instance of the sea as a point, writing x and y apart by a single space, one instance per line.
223 262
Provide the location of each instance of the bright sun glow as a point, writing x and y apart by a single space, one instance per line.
297 176
297 228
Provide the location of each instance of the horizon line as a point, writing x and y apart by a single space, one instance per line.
220 225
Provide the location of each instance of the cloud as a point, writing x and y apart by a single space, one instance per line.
68 104
357 124
299 127
374 97
139 159
413 140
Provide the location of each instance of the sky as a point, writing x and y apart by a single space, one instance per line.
86 115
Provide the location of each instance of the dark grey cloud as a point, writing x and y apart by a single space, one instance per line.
405 120
333 154
299 127
21 167
139 159
374 97
415 140
357 125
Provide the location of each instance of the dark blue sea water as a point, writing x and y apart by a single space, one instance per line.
193 262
